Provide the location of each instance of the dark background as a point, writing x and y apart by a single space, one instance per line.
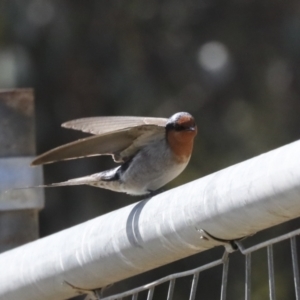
232 64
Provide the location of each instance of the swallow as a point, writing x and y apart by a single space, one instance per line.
151 151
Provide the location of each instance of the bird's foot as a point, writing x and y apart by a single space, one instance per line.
156 192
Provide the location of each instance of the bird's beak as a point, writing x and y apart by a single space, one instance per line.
191 129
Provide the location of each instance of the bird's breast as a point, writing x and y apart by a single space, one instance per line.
152 167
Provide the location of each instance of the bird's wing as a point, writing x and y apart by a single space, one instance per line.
102 125
121 144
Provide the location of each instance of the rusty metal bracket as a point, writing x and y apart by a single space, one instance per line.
230 246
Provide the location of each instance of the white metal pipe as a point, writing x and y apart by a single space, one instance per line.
228 204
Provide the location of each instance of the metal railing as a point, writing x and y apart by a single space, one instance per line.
235 202
224 260
172 280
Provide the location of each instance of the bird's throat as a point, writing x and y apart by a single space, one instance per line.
181 144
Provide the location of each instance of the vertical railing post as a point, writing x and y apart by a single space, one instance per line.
18 209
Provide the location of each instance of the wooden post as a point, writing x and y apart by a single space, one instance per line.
19 209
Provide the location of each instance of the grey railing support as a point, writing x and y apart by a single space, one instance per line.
19 209
227 205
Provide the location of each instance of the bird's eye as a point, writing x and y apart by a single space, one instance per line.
179 127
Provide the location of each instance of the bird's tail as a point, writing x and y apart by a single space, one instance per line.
105 179
75 181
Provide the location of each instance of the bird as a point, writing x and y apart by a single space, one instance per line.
151 151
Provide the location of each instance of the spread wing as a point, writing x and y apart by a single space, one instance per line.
102 125
120 143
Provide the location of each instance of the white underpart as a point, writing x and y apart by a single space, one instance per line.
153 167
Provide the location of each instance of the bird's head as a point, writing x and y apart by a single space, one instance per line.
183 125
181 130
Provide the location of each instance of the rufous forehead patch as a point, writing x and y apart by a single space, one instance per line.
185 120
